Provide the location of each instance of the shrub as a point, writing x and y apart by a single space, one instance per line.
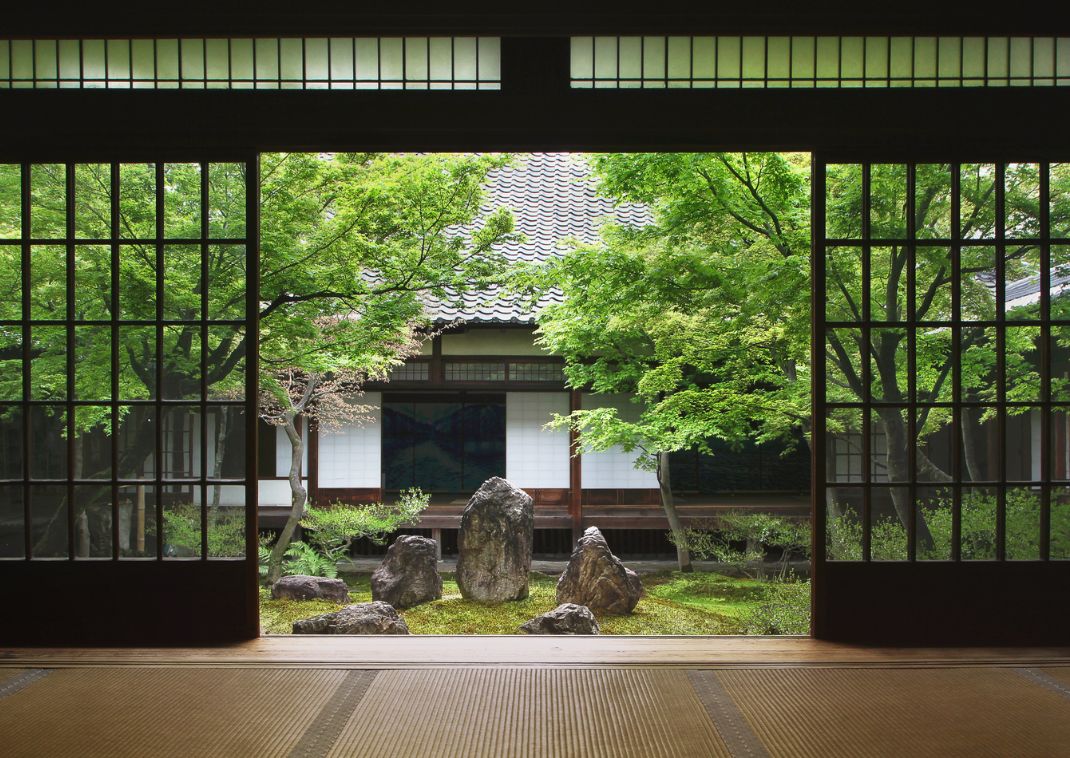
719 540
226 531
785 609
333 530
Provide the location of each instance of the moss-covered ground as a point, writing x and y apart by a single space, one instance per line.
672 603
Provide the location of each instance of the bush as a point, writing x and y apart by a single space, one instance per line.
784 610
333 530
720 538
226 531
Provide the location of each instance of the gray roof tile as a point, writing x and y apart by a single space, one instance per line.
553 200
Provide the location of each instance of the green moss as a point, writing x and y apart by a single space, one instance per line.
673 603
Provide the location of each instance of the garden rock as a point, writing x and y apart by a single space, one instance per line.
301 587
494 541
362 618
409 574
596 578
567 618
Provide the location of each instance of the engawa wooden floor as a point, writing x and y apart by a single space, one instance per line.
501 696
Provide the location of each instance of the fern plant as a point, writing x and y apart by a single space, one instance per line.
304 559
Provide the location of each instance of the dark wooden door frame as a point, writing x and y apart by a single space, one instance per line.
535 110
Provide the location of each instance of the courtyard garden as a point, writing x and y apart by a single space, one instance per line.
673 603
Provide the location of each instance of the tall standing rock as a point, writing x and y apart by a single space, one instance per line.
409 574
494 543
596 578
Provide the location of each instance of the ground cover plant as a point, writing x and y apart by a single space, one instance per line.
672 603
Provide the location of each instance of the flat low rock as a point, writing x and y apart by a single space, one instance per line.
361 618
409 574
567 618
302 587
494 543
596 578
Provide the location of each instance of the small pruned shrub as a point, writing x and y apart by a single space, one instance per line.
332 530
720 540
785 609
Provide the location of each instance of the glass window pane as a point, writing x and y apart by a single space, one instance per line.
12 520
889 443
843 201
980 444
1022 364
48 283
1022 199
933 200
978 200
1023 523
92 521
888 535
92 283
10 442
978 523
11 373
92 201
226 442
978 283
226 521
935 506
48 521
843 440
10 201
182 521
48 446
181 442
182 200
1059 197
1060 278
843 283
48 201
137 200
226 284
137 362
1060 523
137 283
932 284
137 521
48 364
11 282
182 283
226 200
888 195
888 283
1060 363
181 363
1022 298
889 365
933 458
92 363
226 363
92 442
843 377
843 534
136 442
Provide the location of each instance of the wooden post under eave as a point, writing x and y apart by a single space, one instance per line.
575 484
313 462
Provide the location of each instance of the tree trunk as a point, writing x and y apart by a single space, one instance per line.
298 497
971 434
683 555
899 471
222 425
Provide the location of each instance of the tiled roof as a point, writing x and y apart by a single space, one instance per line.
553 200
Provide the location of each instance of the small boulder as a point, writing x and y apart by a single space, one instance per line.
494 543
301 587
596 578
567 618
409 574
362 618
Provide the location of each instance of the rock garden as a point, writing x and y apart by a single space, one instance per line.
494 591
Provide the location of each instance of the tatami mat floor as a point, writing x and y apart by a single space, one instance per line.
468 712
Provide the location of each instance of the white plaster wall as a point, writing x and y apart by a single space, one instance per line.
613 468
282 451
491 342
535 457
352 456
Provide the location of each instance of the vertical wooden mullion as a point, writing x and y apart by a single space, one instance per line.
203 330
1001 363
158 407
1045 362
819 444
113 170
866 368
27 441
69 329
956 356
912 354
252 305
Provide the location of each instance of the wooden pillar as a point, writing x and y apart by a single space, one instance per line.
438 371
313 462
575 484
